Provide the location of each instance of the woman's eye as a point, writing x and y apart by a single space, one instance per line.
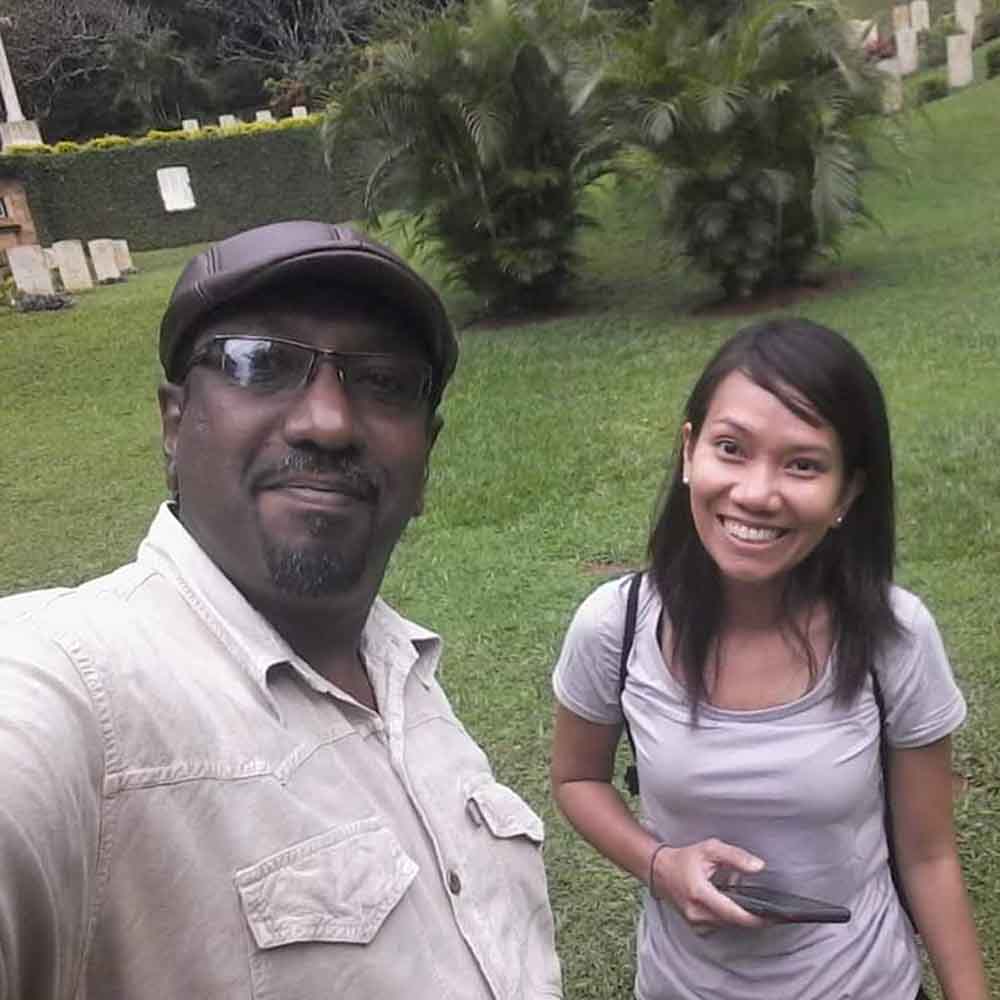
727 448
805 465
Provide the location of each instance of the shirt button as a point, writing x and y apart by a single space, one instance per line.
454 882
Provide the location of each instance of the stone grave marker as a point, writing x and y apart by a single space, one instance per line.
123 258
102 256
960 73
892 92
50 258
966 13
190 125
300 111
920 15
73 267
907 52
900 16
228 121
31 274
175 189
264 116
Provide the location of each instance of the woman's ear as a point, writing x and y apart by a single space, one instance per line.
853 488
687 449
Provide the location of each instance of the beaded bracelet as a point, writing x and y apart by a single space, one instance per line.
652 862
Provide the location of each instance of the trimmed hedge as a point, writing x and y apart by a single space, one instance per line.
241 177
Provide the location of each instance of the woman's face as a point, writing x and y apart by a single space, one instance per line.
765 485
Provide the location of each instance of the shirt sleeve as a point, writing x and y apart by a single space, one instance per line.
586 675
923 702
51 762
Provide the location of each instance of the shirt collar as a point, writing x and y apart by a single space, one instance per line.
388 641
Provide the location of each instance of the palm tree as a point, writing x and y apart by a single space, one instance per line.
758 125
481 126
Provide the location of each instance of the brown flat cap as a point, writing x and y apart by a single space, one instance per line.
233 267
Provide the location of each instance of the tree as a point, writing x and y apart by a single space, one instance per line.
481 126
758 125
84 65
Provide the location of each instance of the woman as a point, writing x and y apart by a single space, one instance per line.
766 613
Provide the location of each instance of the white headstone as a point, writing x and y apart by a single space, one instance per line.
50 258
892 87
73 267
907 52
102 256
900 16
175 189
300 111
960 72
31 273
228 121
920 15
122 257
966 12
264 116
190 125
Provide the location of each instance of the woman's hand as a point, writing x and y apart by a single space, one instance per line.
683 876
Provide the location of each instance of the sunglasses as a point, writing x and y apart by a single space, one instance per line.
273 364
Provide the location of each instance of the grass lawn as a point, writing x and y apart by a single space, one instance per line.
557 435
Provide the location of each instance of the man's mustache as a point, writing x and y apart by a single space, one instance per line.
336 469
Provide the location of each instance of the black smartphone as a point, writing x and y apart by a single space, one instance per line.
785 906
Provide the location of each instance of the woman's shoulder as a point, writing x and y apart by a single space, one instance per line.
910 611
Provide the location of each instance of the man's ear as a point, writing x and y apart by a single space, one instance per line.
171 399
433 430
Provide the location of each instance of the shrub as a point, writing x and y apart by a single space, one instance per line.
758 131
932 88
479 123
989 26
993 61
27 302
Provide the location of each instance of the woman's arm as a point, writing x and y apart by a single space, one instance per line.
920 790
583 757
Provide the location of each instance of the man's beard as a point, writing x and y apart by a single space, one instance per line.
314 571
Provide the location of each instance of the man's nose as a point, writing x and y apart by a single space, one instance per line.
322 413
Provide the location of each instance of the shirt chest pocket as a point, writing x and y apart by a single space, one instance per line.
507 889
320 912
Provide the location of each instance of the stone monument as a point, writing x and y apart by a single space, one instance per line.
190 125
16 130
300 111
31 274
920 15
102 256
264 116
907 52
900 16
960 72
966 14
228 121
73 267
892 90
123 258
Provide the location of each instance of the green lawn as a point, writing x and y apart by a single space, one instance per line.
556 438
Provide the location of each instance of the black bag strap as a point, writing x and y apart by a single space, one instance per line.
886 804
628 638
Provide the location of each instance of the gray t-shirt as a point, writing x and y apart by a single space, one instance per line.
798 784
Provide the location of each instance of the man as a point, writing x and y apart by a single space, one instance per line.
228 769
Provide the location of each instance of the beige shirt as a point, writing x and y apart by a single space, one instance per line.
188 810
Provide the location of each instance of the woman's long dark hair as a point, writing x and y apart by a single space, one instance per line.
816 373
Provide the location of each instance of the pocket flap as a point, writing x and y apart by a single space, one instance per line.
338 886
503 811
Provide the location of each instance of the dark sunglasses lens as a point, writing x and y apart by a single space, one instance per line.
264 364
392 381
